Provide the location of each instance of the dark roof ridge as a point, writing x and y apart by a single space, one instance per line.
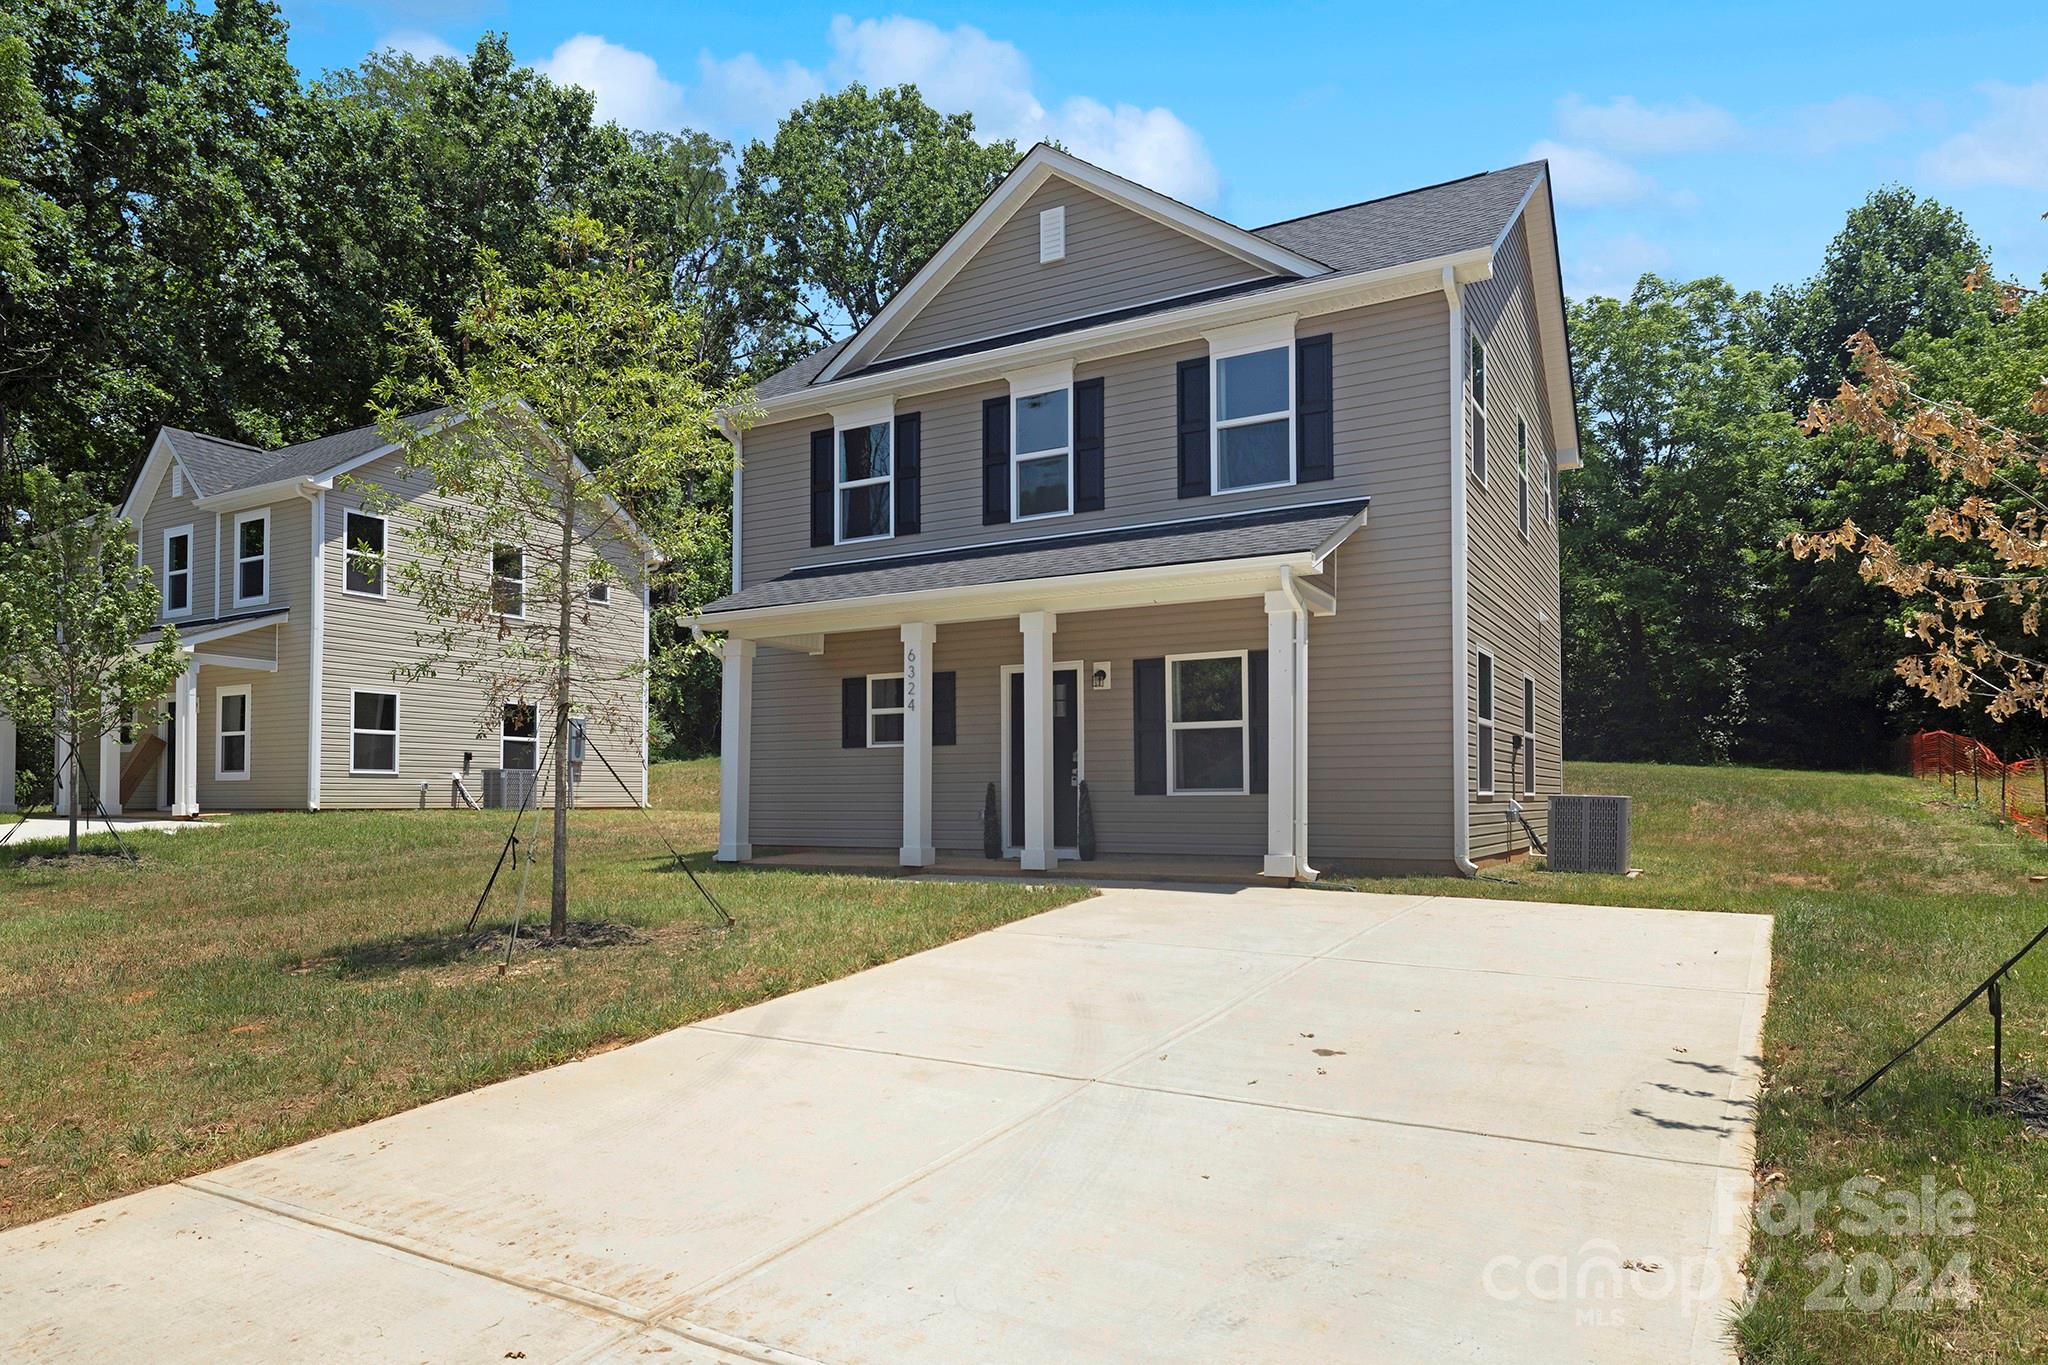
1398 194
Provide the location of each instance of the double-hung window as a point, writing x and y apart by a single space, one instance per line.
1254 412
508 581
1208 734
885 710
1485 723
1476 382
373 732
866 482
1042 442
362 572
231 735
1522 471
519 736
252 558
1528 735
178 572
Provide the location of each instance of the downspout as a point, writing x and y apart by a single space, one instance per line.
1302 870
1461 805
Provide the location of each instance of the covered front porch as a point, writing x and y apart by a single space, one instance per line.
1171 691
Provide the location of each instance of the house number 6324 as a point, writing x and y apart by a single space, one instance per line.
909 680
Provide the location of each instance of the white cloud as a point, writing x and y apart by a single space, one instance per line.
1151 146
2009 146
743 95
1611 266
628 85
1849 121
419 43
1586 178
1625 125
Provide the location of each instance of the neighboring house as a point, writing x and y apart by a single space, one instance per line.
275 573
1254 531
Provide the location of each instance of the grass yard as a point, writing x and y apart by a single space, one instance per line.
286 975
1892 901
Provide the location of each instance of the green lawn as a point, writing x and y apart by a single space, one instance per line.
248 987
1891 903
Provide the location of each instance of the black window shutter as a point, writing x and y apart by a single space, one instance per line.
853 713
995 461
1256 674
1088 446
945 709
1148 726
1193 425
821 487
909 487
1315 455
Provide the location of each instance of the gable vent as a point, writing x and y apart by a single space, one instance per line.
177 482
1052 235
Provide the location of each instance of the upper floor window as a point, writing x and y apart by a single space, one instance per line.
1042 466
865 489
1476 379
252 558
508 581
363 568
1254 441
178 571
1522 471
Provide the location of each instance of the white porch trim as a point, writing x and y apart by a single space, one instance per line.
1038 853
109 783
8 739
735 749
919 637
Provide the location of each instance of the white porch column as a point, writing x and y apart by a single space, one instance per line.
7 768
1283 620
735 749
185 780
919 638
1037 853
108 785
60 773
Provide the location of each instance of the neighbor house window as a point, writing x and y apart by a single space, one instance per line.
252 558
885 710
1528 735
1254 442
1485 723
519 737
508 580
866 487
373 732
178 571
231 740
599 592
1208 736
1043 467
363 566
1522 470
1477 381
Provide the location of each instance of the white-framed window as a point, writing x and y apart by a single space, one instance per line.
1475 381
1251 396
599 592
1528 735
1485 751
508 581
1208 727
178 571
362 565
373 732
231 734
252 558
1042 442
1522 472
865 475
519 736
885 710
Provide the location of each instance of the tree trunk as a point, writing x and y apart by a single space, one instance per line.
558 899
71 806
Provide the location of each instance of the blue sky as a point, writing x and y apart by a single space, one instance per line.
1688 140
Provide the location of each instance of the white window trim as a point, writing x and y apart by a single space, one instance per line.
882 412
868 700
1267 334
396 732
1031 384
1528 734
1475 398
598 592
504 738
1484 708
383 557
191 558
1243 723
221 733
1525 512
239 559
497 578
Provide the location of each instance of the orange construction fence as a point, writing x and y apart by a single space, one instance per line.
1972 771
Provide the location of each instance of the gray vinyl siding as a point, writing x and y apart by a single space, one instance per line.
1514 603
165 513
443 717
1115 258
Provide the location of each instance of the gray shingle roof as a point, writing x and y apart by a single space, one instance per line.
223 466
214 464
1273 531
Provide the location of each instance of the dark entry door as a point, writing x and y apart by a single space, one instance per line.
170 757
1066 757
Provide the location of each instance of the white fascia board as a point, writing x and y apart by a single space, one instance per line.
143 492
1546 279
1040 164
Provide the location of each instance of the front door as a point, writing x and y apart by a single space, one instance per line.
1066 757
170 761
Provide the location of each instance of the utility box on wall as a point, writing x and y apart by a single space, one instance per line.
1588 834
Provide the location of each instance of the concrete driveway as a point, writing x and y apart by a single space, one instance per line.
1179 1125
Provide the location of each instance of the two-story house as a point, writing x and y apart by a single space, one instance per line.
1252 531
276 568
